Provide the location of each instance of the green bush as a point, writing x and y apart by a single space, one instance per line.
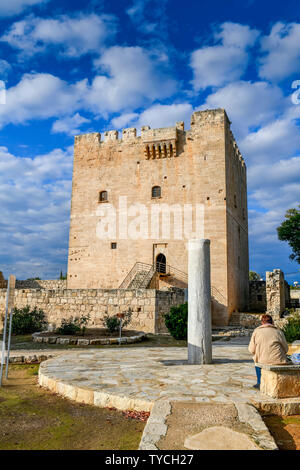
292 328
176 321
72 326
112 323
26 321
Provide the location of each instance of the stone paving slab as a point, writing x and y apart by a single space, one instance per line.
202 426
136 378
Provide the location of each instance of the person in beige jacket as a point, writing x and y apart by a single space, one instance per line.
267 345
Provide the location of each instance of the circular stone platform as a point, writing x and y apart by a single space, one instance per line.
85 341
134 378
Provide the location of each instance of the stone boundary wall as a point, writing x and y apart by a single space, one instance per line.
148 305
252 320
295 294
271 296
247 320
36 284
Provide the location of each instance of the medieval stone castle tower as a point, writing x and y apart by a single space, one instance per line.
169 166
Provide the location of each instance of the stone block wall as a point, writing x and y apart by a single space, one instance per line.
295 294
164 301
257 296
36 284
148 305
247 320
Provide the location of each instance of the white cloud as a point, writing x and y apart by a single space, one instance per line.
279 139
40 96
124 120
225 62
281 173
248 104
130 78
69 125
282 52
35 205
74 36
160 115
271 199
14 7
237 35
134 78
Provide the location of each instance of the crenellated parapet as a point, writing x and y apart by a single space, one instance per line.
163 142
236 152
157 143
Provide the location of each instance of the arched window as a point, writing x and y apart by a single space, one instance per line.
161 263
156 191
103 196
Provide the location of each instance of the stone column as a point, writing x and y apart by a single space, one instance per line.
199 303
275 293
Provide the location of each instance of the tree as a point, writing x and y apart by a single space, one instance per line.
253 276
289 231
62 277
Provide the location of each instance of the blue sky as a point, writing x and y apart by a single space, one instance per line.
78 66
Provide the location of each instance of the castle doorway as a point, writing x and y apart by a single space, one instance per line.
161 263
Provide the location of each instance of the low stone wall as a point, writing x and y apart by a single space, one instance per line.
252 320
295 294
247 320
36 284
282 381
148 305
42 338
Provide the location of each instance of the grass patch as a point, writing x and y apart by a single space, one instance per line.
32 418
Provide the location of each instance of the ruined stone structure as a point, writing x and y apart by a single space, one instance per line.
257 296
200 166
275 292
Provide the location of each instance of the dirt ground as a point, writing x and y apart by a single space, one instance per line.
188 419
92 333
285 430
32 418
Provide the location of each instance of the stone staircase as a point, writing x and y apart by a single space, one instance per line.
139 277
140 281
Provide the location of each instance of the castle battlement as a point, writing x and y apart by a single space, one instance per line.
149 135
163 142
